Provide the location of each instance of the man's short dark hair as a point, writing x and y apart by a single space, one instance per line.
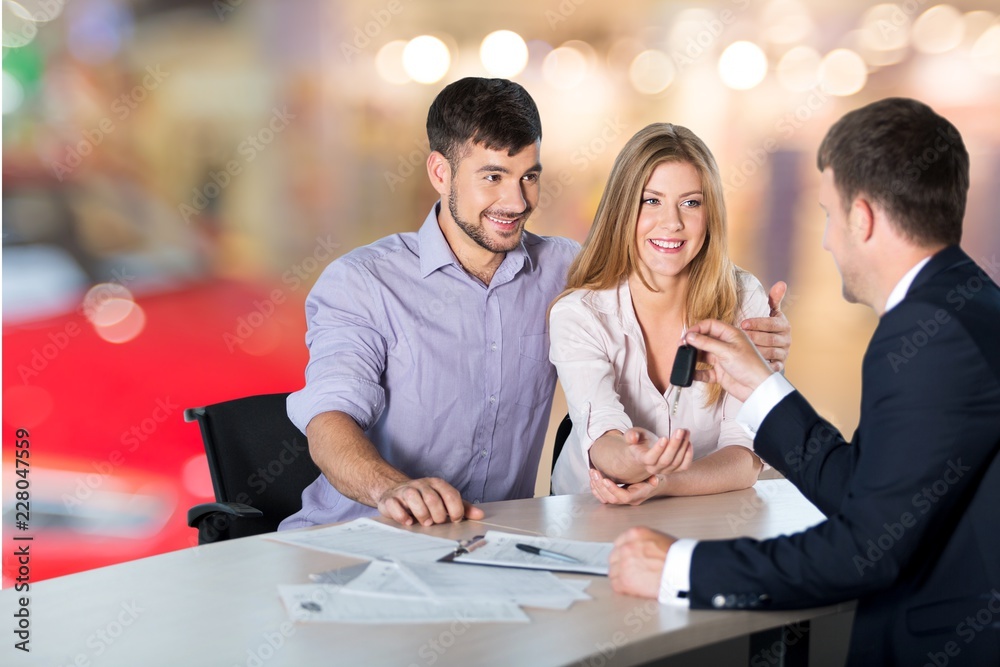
908 159
495 113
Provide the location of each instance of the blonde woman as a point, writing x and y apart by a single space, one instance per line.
655 261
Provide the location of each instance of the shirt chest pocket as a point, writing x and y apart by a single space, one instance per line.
535 374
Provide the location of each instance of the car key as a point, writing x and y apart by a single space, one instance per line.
682 374
683 371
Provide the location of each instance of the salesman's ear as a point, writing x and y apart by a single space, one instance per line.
439 171
862 218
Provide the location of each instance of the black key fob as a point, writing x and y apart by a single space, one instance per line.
683 371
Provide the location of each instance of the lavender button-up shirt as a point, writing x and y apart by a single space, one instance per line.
447 376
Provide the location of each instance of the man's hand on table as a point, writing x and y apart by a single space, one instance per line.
428 500
636 562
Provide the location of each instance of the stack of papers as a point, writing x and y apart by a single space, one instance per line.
406 583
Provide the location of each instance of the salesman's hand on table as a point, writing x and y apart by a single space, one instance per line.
736 363
427 500
772 335
610 493
636 562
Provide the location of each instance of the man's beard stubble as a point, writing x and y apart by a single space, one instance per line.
478 233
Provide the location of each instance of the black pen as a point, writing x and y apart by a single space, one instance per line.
548 554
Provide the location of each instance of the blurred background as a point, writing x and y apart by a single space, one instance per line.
177 173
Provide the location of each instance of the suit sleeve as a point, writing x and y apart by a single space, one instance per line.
808 451
928 417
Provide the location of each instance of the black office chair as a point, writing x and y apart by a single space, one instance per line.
259 462
562 433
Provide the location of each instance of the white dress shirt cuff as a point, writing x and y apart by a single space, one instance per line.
676 579
768 394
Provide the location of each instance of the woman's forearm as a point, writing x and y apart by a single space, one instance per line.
728 469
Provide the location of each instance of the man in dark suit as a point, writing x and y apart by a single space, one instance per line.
913 501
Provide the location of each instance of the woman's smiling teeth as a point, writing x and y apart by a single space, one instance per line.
666 245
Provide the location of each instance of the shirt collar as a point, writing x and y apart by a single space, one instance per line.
436 253
903 286
626 310
434 249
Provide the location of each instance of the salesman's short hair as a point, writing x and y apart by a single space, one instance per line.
902 155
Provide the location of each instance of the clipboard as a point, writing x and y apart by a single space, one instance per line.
494 550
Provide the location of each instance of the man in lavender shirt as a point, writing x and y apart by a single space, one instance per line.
428 379
429 386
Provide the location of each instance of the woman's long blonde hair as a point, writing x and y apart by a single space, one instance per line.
610 253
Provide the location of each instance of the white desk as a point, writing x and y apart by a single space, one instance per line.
217 605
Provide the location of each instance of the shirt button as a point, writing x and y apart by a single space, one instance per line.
493 347
476 501
493 399
484 452
719 601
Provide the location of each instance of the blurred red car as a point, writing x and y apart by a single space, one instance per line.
99 383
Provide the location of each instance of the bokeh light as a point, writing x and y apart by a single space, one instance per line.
986 51
798 70
742 65
651 72
426 59
18 28
389 63
938 30
786 22
13 93
565 68
843 72
503 53
885 27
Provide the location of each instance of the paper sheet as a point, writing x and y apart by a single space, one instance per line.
365 538
500 549
322 603
445 581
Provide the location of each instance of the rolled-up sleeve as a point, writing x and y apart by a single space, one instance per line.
347 349
585 372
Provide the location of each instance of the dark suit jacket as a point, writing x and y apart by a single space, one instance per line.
912 502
